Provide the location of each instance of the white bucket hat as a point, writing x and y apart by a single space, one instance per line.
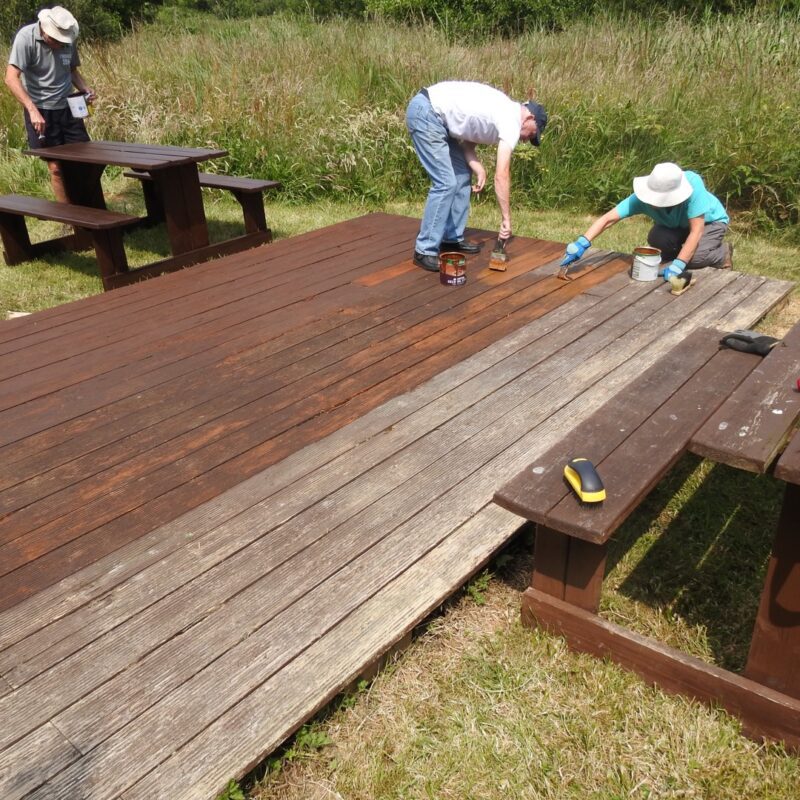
59 24
665 186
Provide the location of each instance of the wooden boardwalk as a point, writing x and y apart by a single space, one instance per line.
227 491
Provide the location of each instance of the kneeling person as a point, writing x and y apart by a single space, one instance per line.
690 223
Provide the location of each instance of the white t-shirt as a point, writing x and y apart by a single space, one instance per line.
476 112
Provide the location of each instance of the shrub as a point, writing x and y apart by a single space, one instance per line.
98 19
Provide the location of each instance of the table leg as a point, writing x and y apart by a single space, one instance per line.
179 190
568 569
83 186
82 183
15 238
774 658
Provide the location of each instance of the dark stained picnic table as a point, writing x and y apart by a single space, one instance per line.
173 170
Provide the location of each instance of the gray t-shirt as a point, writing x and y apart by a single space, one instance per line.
46 73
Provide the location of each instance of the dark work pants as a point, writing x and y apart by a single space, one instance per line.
711 250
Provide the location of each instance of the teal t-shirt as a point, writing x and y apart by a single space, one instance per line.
700 203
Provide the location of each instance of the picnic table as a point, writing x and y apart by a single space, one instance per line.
174 170
172 185
728 406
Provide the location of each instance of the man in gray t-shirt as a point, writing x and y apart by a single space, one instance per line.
42 69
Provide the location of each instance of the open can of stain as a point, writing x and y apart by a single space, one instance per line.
646 261
452 269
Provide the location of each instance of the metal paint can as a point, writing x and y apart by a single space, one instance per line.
452 269
646 261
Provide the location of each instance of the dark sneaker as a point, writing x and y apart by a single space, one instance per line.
728 262
431 263
460 247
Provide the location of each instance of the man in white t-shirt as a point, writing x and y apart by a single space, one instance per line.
446 121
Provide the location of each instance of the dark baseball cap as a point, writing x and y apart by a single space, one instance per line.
540 115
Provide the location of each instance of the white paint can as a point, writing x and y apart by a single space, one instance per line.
646 261
77 106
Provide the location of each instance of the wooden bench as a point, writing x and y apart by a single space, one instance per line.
634 440
103 227
752 426
247 191
748 431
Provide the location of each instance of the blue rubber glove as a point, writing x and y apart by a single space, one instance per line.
673 269
575 250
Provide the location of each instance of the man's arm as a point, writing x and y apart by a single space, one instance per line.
475 165
502 187
80 84
14 83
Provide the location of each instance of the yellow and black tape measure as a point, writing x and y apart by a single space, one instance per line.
583 478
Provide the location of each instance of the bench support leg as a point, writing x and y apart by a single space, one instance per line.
153 203
16 240
111 258
569 569
774 658
764 712
255 219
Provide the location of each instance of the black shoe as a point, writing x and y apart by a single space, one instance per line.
460 247
431 263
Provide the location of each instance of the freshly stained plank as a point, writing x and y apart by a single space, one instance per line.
253 266
473 376
394 313
164 500
242 400
752 425
63 368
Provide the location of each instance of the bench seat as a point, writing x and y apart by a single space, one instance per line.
633 440
97 219
247 191
751 427
104 229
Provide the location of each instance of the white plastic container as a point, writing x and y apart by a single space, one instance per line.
77 106
646 261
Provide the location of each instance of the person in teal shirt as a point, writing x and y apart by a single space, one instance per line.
689 227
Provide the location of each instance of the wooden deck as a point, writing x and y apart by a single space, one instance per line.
227 491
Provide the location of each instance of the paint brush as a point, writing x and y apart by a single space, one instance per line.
498 260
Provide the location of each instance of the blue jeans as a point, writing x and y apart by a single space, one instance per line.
447 206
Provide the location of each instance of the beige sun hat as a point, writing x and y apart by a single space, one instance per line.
665 186
59 24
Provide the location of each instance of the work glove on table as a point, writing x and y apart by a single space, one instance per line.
674 269
575 250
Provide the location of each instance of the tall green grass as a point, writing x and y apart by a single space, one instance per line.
321 106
